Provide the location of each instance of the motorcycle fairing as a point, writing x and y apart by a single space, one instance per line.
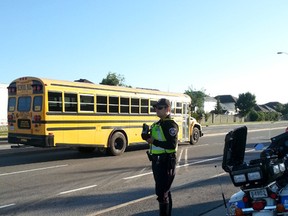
234 149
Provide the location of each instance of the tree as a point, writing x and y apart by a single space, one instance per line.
245 103
113 79
285 109
197 106
280 108
218 108
255 116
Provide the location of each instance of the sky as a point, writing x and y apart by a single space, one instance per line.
217 46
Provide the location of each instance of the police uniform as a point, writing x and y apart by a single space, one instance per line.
163 150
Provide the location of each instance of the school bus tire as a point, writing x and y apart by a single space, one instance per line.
117 144
194 138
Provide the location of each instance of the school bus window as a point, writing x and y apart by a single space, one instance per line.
12 89
55 101
70 102
113 104
144 105
152 103
37 103
172 107
11 104
24 104
178 108
124 105
101 104
36 87
134 105
87 103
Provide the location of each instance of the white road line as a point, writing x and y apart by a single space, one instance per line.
136 176
5 206
216 134
180 155
184 165
77 189
113 208
186 155
179 166
121 205
255 130
33 170
197 162
152 196
203 161
220 174
202 145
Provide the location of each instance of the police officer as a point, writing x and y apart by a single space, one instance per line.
163 146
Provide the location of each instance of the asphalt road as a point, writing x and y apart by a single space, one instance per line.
35 181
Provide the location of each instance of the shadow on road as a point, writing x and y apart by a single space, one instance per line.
197 202
28 155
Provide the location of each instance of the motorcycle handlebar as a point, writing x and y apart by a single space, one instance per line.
267 154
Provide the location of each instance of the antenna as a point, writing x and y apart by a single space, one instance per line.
223 196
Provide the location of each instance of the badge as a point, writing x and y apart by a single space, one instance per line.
172 131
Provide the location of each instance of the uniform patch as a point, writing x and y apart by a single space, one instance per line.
172 131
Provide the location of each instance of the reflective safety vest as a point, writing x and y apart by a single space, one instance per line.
157 133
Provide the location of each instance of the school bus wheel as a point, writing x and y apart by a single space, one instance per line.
194 137
117 144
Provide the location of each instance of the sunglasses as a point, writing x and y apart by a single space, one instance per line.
160 107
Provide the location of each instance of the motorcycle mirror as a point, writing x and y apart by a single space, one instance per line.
259 146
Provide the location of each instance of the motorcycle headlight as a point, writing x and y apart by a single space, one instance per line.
252 176
239 178
282 167
273 187
276 169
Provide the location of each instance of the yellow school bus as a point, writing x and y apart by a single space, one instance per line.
49 113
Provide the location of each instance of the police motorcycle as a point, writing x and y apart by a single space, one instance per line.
263 182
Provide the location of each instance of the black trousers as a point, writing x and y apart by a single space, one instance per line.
163 167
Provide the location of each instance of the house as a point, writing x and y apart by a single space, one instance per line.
264 108
228 103
209 104
273 105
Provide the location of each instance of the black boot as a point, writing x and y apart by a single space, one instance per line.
170 204
164 209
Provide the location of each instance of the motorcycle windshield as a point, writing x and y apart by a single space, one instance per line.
234 149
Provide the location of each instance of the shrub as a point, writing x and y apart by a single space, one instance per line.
3 130
253 115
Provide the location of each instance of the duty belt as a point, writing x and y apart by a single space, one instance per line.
163 156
